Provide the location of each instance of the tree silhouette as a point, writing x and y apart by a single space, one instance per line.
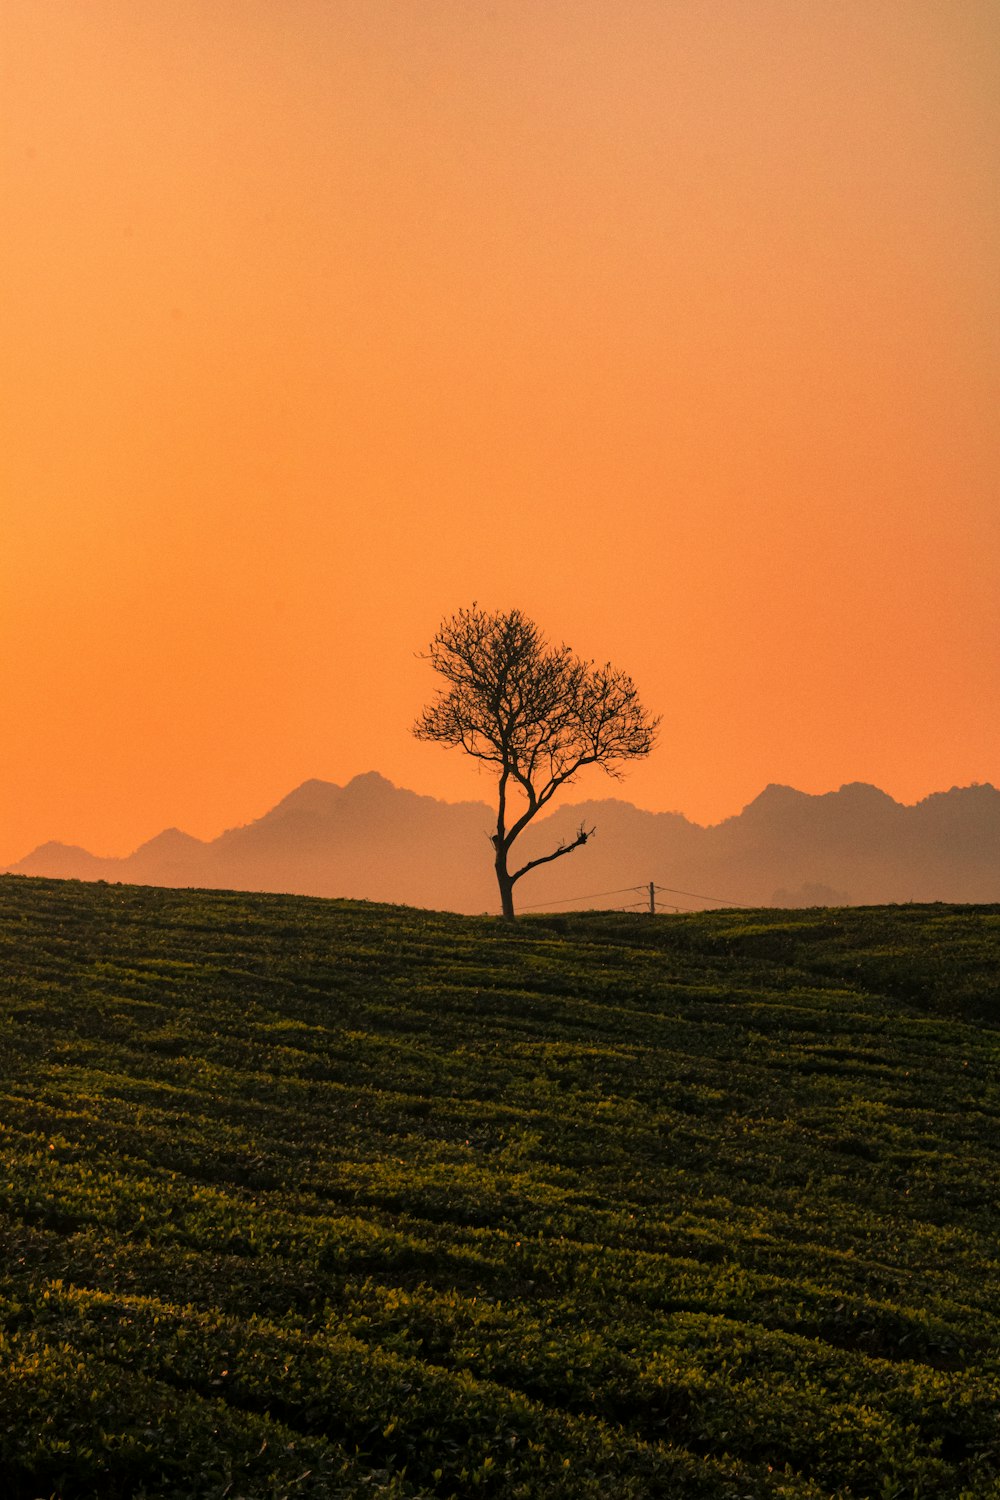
538 713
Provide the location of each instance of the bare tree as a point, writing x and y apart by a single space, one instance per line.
537 713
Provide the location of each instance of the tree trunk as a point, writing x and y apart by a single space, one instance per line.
506 886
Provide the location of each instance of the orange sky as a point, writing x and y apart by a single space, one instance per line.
674 324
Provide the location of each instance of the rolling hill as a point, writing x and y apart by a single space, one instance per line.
325 1199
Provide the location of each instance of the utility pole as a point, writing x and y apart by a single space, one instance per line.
652 899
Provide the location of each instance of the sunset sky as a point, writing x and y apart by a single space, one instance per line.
675 323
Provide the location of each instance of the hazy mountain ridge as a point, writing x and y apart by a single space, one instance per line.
372 840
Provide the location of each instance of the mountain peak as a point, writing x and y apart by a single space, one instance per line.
774 798
863 791
371 781
312 797
60 861
171 841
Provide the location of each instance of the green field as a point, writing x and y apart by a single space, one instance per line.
309 1198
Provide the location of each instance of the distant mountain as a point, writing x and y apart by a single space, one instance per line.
375 841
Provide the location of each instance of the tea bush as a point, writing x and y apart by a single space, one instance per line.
313 1198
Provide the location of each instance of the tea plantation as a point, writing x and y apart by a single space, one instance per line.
304 1198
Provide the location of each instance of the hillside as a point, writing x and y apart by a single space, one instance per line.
306 1198
374 841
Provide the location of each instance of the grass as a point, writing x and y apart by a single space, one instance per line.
309 1198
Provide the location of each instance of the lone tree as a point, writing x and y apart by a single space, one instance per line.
536 712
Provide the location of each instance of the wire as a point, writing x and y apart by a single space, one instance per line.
628 890
625 890
721 900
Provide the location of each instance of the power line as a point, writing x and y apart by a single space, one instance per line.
643 905
721 900
625 890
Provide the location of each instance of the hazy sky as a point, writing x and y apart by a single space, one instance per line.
674 323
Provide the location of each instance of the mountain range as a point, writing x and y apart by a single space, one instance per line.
372 840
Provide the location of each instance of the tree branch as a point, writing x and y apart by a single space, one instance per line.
546 859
